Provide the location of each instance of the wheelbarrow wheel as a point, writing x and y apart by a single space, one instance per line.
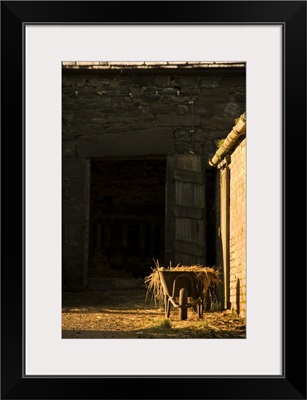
183 300
167 306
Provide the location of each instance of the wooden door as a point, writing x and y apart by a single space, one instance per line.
185 210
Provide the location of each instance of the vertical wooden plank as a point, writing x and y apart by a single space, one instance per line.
87 182
169 209
224 204
190 231
190 194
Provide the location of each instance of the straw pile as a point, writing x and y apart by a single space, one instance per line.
204 277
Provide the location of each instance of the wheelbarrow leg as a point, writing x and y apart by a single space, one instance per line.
200 309
183 300
167 306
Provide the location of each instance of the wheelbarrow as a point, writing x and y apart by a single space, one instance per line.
181 291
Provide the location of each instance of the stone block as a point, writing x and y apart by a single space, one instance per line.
240 97
234 80
73 168
203 109
68 80
73 232
161 108
73 189
213 82
182 135
181 99
183 147
189 80
68 148
150 98
218 109
177 120
199 148
220 124
201 136
214 95
163 80
72 210
136 91
232 110
182 109
72 251
80 82
67 132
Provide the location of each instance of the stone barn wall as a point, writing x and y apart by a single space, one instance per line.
138 110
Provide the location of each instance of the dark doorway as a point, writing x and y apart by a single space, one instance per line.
127 216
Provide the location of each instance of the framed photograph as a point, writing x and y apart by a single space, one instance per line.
155 189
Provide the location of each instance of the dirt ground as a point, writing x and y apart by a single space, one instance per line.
117 308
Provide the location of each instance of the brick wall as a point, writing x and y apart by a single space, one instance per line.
238 229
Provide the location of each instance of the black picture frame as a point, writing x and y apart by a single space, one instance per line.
292 384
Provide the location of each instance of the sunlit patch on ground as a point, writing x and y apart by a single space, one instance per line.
124 313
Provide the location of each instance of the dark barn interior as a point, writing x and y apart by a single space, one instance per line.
127 216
